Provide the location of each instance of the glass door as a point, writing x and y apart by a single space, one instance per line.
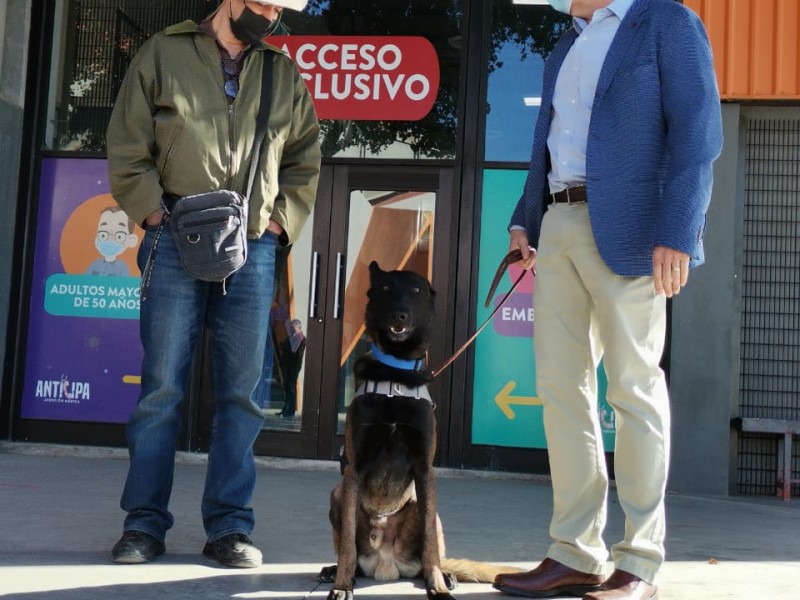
399 217
395 229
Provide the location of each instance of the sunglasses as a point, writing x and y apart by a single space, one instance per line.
231 69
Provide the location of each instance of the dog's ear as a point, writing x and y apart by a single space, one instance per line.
374 272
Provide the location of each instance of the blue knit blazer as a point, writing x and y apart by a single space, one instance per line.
655 130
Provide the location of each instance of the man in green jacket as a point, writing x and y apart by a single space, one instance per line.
184 123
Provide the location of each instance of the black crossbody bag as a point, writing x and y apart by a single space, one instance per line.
210 229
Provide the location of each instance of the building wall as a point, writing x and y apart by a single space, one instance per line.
14 28
704 352
757 60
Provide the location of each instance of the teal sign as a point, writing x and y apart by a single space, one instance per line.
506 410
96 296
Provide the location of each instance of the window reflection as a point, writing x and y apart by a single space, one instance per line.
280 392
97 39
521 38
94 42
439 21
407 219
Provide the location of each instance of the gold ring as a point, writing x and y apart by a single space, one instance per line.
676 268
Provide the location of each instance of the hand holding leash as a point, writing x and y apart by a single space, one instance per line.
518 240
512 257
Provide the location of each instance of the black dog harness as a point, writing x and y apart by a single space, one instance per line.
393 388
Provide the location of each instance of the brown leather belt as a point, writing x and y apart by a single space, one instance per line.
573 195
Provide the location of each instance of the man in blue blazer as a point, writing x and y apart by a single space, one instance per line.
615 204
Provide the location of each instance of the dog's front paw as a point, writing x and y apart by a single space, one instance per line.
450 581
434 595
328 574
340 595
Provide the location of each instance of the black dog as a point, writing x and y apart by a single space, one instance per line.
383 512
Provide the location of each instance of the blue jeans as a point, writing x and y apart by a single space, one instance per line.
172 318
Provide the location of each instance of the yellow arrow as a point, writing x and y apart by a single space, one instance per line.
504 400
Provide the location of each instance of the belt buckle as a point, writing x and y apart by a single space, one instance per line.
565 191
569 196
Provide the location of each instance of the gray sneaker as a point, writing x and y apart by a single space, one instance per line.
234 550
135 547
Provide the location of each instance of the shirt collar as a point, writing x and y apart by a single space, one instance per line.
619 8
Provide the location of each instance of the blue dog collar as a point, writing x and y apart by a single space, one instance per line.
393 361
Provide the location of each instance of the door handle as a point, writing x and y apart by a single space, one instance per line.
313 307
337 302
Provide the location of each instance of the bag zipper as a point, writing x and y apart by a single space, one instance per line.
207 221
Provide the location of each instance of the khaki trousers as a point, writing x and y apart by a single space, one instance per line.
585 312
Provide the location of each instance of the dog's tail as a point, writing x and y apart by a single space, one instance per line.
472 571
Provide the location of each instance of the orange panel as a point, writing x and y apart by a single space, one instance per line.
763 32
788 63
713 15
755 45
739 50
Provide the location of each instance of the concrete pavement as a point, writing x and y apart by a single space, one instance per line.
59 517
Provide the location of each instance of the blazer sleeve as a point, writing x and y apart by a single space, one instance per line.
692 112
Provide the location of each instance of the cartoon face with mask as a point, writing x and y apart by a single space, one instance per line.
114 236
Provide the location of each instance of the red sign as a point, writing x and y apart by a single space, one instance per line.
366 78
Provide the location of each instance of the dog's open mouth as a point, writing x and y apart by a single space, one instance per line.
399 333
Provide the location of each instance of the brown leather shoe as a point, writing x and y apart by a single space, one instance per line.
550 578
624 586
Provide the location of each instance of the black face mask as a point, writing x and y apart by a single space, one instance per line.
250 28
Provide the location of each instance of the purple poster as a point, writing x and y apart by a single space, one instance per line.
83 353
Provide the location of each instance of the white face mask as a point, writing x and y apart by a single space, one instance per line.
561 5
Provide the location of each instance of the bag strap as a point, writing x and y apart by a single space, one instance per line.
261 118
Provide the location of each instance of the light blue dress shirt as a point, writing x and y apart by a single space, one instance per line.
654 133
574 94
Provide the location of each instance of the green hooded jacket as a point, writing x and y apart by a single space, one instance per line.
173 131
